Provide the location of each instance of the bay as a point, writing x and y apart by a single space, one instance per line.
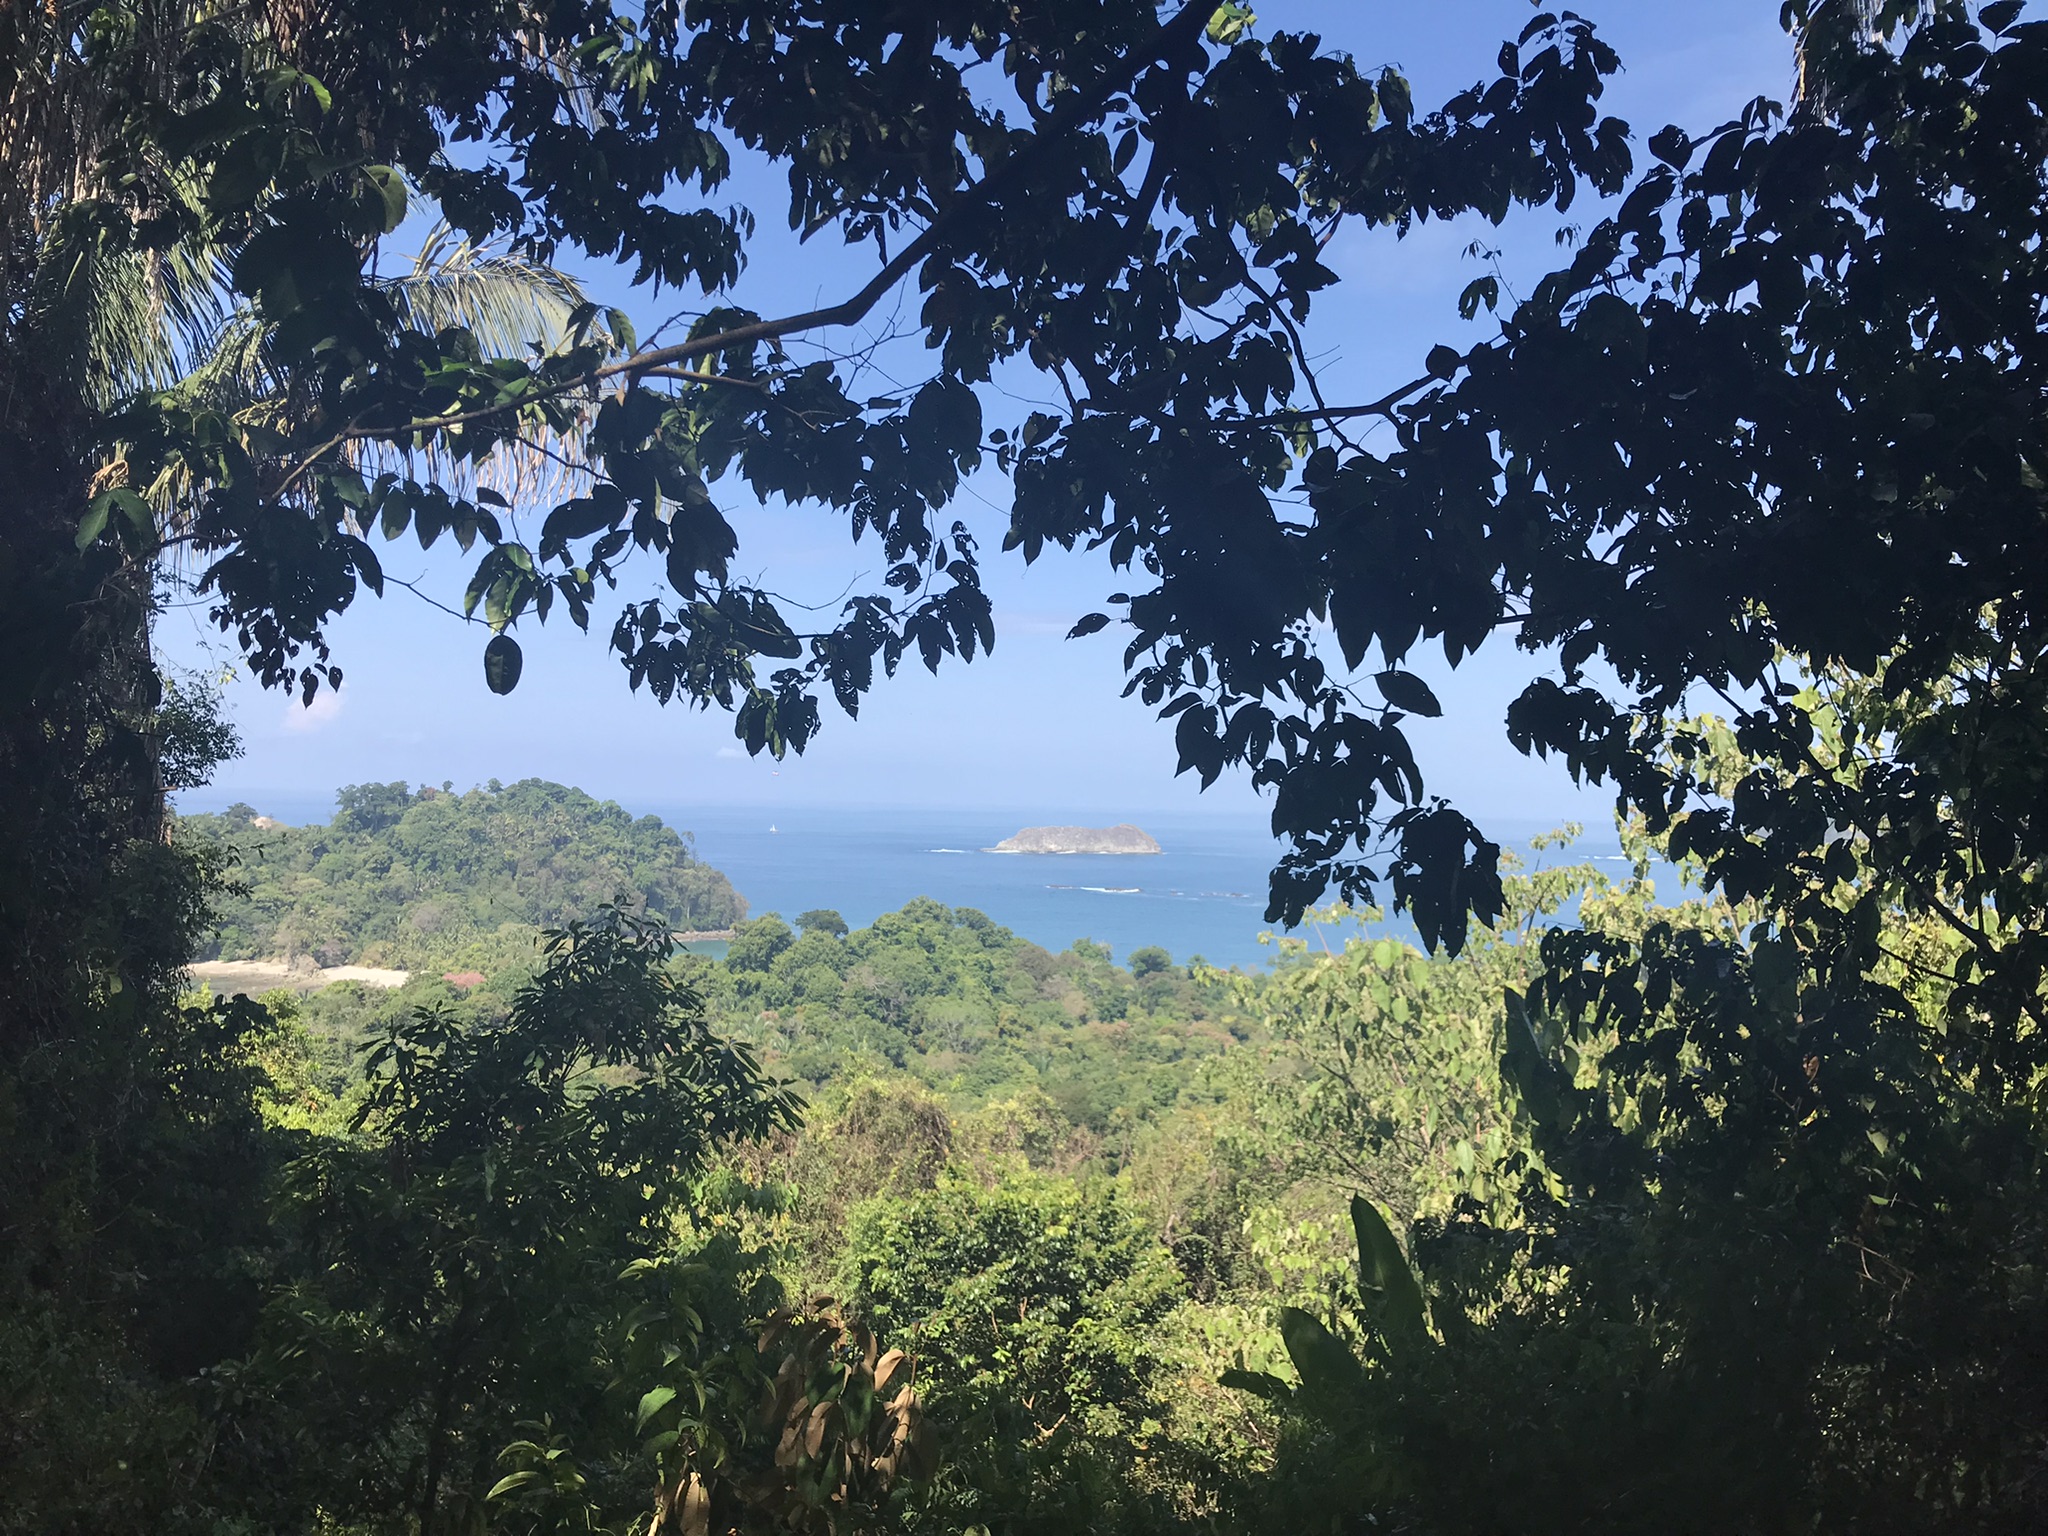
1203 895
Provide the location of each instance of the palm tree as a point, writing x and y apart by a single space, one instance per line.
213 353
90 318
97 915
88 321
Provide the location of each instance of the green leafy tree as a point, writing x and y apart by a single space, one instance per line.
1774 434
802 1424
414 877
1394 1085
1732 1276
1149 960
133 1234
1032 1306
823 920
971 1010
814 1428
455 1271
756 945
143 1156
860 1138
1737 1254
1057 223
1778 420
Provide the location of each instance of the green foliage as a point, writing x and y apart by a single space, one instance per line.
308 1082
969 1009
757 945
994 1281
1136 1436
1751 1236
141 1155
1033 1307
133 1155
1809 446
789 1197
1149 960
1398 1087
815 1428
455 1265
425 878
1162 294
823 920
1744 1287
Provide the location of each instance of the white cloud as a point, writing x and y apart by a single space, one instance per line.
730 752
311 717
1027 621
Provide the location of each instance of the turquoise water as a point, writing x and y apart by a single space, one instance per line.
1203 895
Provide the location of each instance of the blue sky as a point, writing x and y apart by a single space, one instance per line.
1039 725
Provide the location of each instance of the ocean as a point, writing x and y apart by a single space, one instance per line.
1203 895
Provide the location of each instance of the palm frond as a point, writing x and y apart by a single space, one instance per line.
233 375
110 322
512 306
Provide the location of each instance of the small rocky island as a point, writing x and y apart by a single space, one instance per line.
1122 838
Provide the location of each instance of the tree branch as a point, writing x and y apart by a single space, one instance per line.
691 376
1384 406
1308 372
1185 27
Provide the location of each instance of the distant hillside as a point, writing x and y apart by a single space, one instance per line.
414 877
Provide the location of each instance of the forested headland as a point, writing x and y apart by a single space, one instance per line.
401 877
1590 1214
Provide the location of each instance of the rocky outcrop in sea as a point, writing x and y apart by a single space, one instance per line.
1121 838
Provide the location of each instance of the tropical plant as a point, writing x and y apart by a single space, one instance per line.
1032 1307
1766 1258
1396 1087
1085 246
453 1270
831 1434
972 1010
1774 435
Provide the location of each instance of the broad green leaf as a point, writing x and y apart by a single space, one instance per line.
1229 23
510 1482
390 189
1392 1294
651 1403
1407 692
1259 1383
94 523
1326 1366
129 503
